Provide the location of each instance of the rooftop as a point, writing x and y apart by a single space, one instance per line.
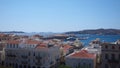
13 42
42 45
82 54
32 42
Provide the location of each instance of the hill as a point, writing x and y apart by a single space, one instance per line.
97 31
12 32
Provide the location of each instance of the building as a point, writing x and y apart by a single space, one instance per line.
65 50
4 37
31 54
95 48
77 44
110 55
81 59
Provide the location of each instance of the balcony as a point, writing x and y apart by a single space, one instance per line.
38 57
11 55
24 62
24 57
113 61
38 63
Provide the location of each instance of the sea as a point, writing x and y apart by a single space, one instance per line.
86 41
103 38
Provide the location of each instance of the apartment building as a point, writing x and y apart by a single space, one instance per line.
111 55
31 54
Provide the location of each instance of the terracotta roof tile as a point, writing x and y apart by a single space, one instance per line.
83 54
66 47
42 45
13 42
32 42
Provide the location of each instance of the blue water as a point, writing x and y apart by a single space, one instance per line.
103 38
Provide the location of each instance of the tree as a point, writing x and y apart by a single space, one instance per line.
4 67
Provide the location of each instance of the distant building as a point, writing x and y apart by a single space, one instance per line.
37 37
81 59
110 55
94 47
66 49
77 44
4 37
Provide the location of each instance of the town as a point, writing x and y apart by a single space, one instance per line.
37 51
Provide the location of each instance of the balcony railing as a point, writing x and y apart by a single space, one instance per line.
24 57
24 62
11 55
38 63
38 57
113 61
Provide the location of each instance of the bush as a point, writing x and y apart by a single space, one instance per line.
64 66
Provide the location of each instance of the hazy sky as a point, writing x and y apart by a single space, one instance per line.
58 15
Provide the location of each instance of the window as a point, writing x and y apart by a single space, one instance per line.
33 67
29 67
106 65
29 53
106 56
25 66
119 56
34 54
17 45
2 62
16 65
6 64
9 64
51 62
10 45
38 67
7 44
13 45
84 65
89 65
113 47
106 47
113 56
79 65
20 66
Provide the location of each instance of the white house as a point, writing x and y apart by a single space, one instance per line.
81 59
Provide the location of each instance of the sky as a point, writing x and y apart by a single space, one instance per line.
58 15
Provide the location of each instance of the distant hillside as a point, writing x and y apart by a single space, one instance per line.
12 32
97 31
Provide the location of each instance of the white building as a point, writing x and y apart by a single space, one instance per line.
31 54
95 48
81 59
110 55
